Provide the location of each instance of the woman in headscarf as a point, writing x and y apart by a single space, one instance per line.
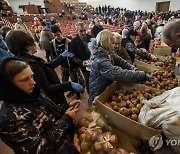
29 121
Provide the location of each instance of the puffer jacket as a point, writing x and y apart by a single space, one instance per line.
107 68
31 123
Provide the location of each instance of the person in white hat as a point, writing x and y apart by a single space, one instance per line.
124 33
136 27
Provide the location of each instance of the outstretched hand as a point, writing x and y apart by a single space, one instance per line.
149 77
77 87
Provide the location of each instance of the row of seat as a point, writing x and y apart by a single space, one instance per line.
67 26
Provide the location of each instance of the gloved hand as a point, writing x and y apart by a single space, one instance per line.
149 77
77 87
67 54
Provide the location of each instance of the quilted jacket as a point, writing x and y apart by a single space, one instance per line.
107 68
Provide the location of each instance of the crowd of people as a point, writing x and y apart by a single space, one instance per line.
112 15
35 116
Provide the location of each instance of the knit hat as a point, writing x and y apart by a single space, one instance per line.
124 33
137 23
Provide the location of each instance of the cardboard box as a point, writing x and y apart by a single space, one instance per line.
148 68
145 66
162 51
163 45
127 130
130 127
126 142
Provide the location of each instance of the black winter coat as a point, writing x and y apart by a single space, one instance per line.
58 48
80 51
96 29
48 78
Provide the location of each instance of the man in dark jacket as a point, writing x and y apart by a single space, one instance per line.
79 47
68 68
97 27
58 45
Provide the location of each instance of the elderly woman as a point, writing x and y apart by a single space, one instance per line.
20 25
30 121
108 66
146 36
119 49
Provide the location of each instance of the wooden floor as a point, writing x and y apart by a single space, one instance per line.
4 149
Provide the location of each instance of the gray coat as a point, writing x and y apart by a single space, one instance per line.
45 39
107 68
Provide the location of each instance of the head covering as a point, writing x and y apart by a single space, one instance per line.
10 92
137 23
124 33
35 18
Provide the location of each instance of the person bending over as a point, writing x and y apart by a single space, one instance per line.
107 66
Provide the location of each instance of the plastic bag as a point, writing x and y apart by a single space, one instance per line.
171 130
83 114
119 151
88 136
158 109
105 143
164 112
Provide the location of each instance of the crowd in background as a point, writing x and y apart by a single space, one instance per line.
113 15
92 60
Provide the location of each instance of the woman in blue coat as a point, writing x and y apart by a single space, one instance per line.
108 66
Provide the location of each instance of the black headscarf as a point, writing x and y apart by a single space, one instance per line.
10 92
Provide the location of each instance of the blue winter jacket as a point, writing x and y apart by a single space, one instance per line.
5 54
107 68
4 50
